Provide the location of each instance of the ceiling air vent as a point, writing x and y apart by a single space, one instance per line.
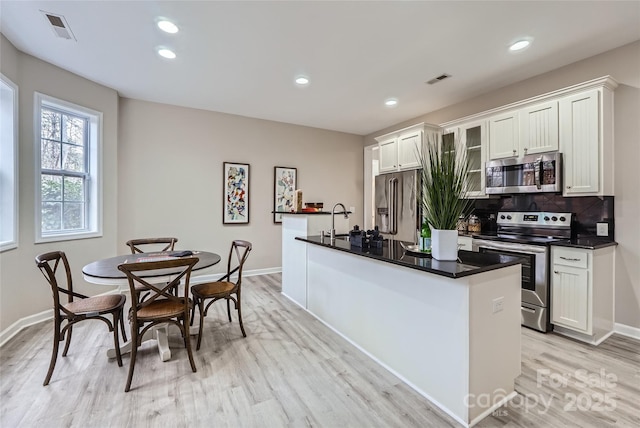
59 25
438 79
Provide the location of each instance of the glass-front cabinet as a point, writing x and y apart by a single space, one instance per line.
472 137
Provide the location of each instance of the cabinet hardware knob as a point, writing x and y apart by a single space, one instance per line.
555 271
525 150
514 151
568 187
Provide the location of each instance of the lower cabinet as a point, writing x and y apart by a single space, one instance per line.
582 292
465 243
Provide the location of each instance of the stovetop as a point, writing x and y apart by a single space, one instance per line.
539 228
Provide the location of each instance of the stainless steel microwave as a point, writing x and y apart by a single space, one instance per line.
528 174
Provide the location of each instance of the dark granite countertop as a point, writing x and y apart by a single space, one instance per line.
589 243
309 213
469 263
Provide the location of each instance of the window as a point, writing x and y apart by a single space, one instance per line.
8 164
68 147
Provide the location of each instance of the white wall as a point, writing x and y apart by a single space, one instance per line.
170 175
23 290
623 64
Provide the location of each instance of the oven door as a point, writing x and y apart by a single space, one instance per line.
535 284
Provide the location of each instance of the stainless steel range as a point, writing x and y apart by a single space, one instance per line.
528 235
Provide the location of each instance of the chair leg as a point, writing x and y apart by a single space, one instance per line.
122 329
228 309
117 317
193 310
240 314
187 341
54 354
134 352
68 342
200 305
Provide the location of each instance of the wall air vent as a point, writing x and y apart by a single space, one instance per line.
59 25
438 79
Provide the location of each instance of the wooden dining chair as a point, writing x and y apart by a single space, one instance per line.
146 245
77 308
162 306
224 288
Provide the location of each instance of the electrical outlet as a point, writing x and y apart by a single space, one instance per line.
602 229
498 304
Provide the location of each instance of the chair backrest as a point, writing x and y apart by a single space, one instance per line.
151 244
48 263
145 275
238 254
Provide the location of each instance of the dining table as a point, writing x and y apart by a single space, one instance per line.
106 272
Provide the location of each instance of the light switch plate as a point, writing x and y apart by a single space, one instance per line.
602 229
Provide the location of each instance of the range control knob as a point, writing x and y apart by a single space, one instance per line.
546 218
562 219
502 217
508 217
554 218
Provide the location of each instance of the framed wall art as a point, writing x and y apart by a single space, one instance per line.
235 181
284 180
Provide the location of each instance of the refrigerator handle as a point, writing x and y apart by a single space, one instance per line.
393 205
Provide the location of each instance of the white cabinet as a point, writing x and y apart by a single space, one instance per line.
472 138
465 243
526 131
409 149
582 292
401 150
586 140
504 136
539 128
388 155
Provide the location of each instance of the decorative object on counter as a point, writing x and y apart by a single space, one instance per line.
425 238
369 239
474 225
445 182
297 201
235 207
284 185
462 224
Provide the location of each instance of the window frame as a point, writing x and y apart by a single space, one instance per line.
13 200
93 159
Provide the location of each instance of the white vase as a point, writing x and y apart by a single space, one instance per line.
444 244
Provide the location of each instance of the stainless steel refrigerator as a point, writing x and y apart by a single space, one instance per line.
397 211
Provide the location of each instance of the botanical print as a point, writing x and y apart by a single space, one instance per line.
285 186
236 191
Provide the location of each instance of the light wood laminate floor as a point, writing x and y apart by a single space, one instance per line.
291 370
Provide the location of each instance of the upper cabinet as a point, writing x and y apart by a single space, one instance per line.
539 128
526 131
401 150
576 121
586 131
472 138
503 136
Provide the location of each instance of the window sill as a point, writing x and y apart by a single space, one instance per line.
68 237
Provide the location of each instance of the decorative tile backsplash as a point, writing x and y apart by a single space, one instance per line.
587 210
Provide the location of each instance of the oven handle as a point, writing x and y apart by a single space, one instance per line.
516 248
527 310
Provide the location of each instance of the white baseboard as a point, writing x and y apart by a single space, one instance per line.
627 330
16 327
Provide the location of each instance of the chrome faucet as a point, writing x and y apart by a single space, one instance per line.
333 219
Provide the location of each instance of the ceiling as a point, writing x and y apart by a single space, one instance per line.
242 57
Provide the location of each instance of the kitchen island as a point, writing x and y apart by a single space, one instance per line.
450 330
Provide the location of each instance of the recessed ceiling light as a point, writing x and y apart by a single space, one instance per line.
519 45
167 26
302 80
166 53
391 102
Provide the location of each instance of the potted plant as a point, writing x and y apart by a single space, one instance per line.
445 182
